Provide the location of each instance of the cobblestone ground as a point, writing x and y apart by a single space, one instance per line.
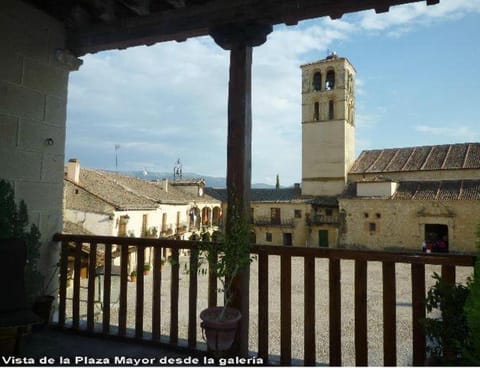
374 307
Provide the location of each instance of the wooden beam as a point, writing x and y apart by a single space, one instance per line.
239 158
197 20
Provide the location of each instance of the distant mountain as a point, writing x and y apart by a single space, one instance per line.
211 181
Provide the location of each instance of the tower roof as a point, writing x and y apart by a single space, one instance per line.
332 57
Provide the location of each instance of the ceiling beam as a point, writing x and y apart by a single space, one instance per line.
197 20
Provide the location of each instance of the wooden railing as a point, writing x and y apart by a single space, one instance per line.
322 220
269 221
264 254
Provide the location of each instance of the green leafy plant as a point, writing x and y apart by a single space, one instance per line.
151 232
472 313
450 329
14 224
147 267
226 256
133 273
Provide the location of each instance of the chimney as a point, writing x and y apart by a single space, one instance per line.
297 188
73 170
165 185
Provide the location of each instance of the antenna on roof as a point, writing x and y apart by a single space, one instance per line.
117 147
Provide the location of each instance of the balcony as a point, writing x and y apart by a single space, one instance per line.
323 220
358 294
268 221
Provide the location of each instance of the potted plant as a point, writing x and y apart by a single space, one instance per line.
133 276
227 260
146 269
42 305
14 224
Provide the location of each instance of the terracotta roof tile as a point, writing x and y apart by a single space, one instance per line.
456 156
429 190
382 161
472 160
440 157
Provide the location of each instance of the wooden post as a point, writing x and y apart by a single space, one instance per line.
240 39
239 156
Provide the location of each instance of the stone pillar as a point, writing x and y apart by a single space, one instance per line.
34 70
240 39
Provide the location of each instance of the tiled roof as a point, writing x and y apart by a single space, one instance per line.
72 228
130 193
430 190
112 191
276 195
193 181
440 157
153 191
217 193
261 194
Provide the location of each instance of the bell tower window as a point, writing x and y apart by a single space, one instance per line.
316 111
317 81
331 112
330 80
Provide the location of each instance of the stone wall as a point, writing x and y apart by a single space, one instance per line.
33 99
298 228
401 223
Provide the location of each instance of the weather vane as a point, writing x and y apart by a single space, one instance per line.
177 170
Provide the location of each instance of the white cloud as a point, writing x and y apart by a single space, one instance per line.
407 15
170 100
460 133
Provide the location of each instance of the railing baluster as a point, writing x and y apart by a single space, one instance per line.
174 298
335 325
389 315
122 304
263 307
285 309
212 282
418 313
139 292
107 283
192 300
309 314
76 286
334 256
92 263
63 284
448 274
361 341
156 293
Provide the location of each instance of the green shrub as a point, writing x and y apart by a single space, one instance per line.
14 224
450 330
472 313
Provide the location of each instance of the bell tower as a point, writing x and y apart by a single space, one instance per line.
328 125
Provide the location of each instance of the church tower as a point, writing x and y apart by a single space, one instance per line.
328 126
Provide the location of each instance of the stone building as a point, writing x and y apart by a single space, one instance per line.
385 199
99 202
107 203
401 197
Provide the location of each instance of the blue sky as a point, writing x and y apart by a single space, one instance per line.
418 79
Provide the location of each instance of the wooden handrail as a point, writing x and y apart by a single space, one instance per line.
361 258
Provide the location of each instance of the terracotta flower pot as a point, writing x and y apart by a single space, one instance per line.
219 334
